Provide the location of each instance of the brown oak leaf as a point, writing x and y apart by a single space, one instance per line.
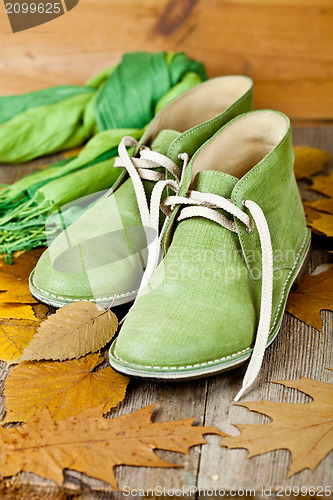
313 294
308 161
65 388
72 332
94 445
306 430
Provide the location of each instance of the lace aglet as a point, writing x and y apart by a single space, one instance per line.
240 394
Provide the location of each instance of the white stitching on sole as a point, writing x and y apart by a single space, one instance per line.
186 366
122 295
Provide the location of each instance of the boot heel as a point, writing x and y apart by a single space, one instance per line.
302 270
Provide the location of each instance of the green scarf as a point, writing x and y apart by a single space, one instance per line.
119 101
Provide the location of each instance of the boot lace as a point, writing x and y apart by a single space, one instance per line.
143 168
205 205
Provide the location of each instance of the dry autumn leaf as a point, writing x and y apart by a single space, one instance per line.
17 291
322 205
320 222
14 283
34 312
72 332
306 430
40 311
65 388
94 445
18 325
23 265
15 335
16 311
323 184
313 294
319 216
308 161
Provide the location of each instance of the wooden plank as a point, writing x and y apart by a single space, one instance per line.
298 351
285 46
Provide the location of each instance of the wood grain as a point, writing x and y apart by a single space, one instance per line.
286 46
298 350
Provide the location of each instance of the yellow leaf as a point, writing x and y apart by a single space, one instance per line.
65 388
306 430
323 184
314 294
14 278
17 291
72 332
309 161
15 335
320 222
94 445
16 311
23 265
322 205
319 213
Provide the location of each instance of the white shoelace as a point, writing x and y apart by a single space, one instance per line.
205 205
202 205
143 169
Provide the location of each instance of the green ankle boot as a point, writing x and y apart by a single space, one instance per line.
235 241
102 256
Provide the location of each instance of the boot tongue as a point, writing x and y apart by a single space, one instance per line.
162 141
211 181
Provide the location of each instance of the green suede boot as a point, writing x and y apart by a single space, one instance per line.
102 256
235 242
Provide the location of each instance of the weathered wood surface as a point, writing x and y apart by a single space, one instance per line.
286 46
298 350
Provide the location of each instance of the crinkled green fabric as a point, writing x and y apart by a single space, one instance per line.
119 101
64 117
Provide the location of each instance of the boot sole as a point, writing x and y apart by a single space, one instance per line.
56 303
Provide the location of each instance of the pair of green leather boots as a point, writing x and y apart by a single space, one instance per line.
204 229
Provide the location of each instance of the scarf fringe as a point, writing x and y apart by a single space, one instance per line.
23 212
24 240
24 227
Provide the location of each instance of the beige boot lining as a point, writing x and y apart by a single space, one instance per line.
199 104
242 144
